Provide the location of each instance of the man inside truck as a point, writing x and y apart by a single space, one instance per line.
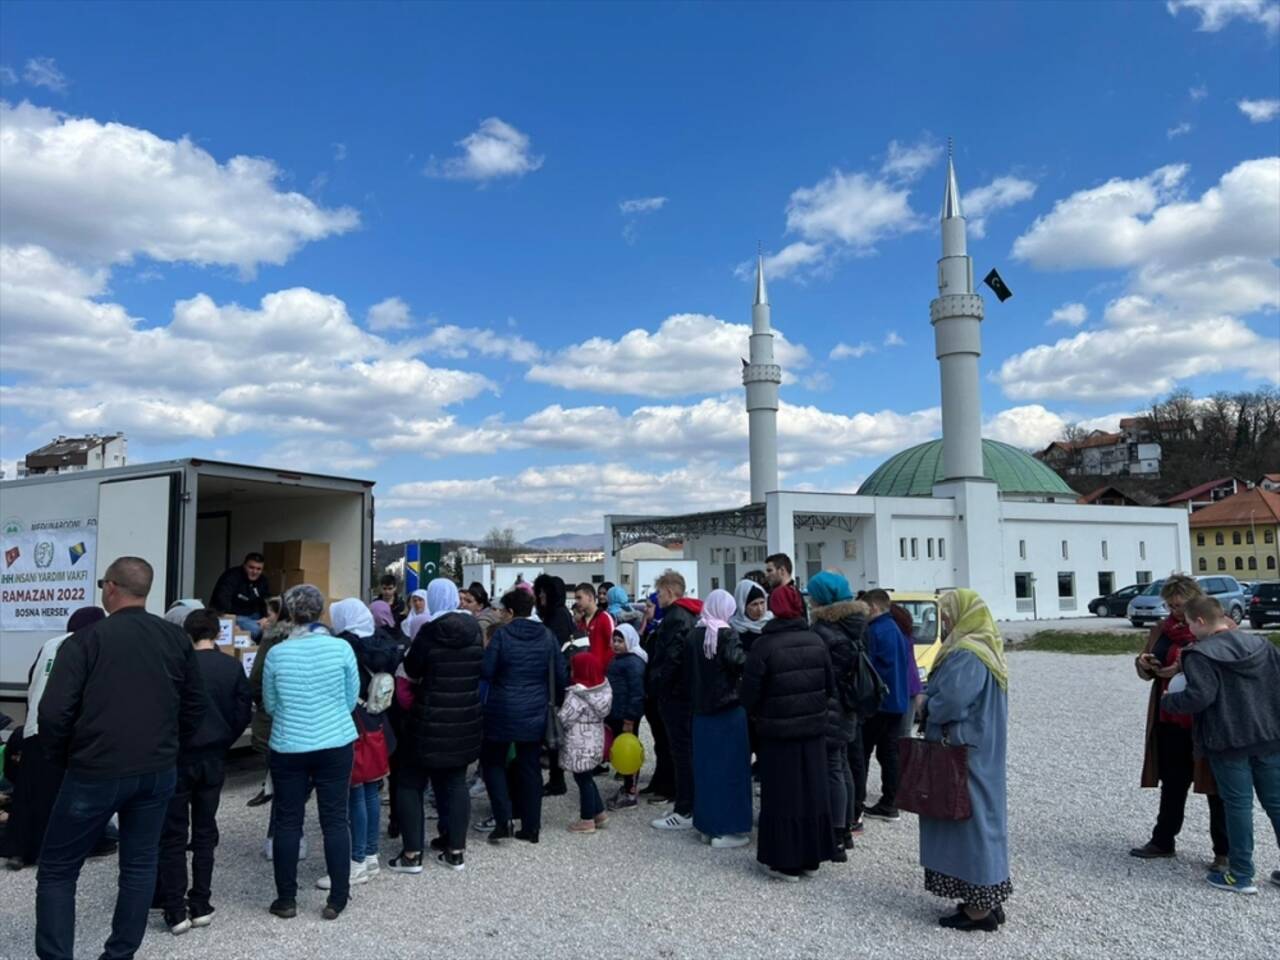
242 592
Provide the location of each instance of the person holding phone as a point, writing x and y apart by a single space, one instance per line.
1170 762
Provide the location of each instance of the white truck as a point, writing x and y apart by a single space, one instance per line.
190 519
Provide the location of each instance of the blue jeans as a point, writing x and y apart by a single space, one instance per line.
294 775
1237 780
79 815
363 803
250 626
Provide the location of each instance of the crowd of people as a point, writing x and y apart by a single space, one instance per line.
442 697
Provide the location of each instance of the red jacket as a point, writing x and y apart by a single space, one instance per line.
600 638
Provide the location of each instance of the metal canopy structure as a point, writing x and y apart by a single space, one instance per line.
746 522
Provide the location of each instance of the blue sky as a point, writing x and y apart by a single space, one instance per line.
443 205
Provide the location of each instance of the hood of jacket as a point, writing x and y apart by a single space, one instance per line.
455 629
778 625
690 604
840 610
522 628
1245 654
554 589
597 698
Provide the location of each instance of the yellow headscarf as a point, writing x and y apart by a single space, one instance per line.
973 629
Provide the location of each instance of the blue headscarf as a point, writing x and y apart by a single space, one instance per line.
828 588
657 613
617 598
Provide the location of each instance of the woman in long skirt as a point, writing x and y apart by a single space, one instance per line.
968 860
785 685
721 752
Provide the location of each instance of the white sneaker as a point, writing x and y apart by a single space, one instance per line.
773 874
371 865
478 789
730 841
181 927
673 821
358 876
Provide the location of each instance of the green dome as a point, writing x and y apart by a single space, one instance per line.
913 472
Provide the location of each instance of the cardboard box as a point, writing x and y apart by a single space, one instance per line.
226 631
282 580
247 657
241 640
227 648
297 555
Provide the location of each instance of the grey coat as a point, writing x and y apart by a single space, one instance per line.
964 698
1233 691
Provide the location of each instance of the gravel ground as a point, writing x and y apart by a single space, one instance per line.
1075 809
1015 630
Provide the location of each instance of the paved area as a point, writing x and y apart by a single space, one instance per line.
1075 809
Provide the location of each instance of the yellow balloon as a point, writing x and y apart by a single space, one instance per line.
627 755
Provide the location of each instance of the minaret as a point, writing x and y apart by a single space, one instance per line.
761 377
957 318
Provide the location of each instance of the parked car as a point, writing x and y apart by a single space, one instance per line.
1264 605
1149 607
926 627
1114 604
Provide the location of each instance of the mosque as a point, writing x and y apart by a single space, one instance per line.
961 511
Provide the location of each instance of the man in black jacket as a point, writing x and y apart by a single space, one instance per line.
200 777
123 694
242 592
670 682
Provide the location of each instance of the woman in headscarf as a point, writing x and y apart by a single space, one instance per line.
443 731
417 609
751 612
178 613
967 703
626 678
383 616
840 621
721 753
786 685
39 780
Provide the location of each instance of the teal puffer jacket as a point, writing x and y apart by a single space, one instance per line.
309 686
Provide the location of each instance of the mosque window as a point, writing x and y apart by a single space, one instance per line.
942 548
1104 550
851 549
1066 590
1022 549
1142 549
1143 577
915 548
928 548
1066 551
902 547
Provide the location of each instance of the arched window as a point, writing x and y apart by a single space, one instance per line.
1204 564
1235 537
1253 563
1222 563
1239 563
1218 538
1268 536
1271 563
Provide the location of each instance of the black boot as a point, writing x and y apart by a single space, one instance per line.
837 850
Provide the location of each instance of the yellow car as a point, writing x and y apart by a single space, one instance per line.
926 627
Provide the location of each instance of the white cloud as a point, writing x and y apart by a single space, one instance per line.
106 193
785 262
1000 194
339 152
396 529
1196 267
7 78
843 351
851 208
1031 427
313 370
642 205
909 161
891 339
689 353
1070 314
1259 111
449 340
1216 14
1198 93
389 314
1178 130
495 149
44 72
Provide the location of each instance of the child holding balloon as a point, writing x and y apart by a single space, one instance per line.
586 704
626 678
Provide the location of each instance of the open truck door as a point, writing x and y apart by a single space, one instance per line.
138 517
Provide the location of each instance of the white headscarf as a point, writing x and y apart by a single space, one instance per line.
633 640
442 597
412 621
181 609
740 621
716 613
351 616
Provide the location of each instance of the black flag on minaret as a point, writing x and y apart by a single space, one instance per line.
997 286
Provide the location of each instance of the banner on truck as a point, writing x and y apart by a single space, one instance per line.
47 571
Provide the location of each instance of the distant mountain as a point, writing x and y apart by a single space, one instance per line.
568 541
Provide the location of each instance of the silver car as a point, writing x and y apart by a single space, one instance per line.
1148 606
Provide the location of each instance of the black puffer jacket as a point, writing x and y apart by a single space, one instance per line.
713 684
787 682
444 728
668 679
841 625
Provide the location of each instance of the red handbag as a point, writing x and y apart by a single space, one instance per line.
370 761
933 779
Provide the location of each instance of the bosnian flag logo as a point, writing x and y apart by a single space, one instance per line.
77 551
